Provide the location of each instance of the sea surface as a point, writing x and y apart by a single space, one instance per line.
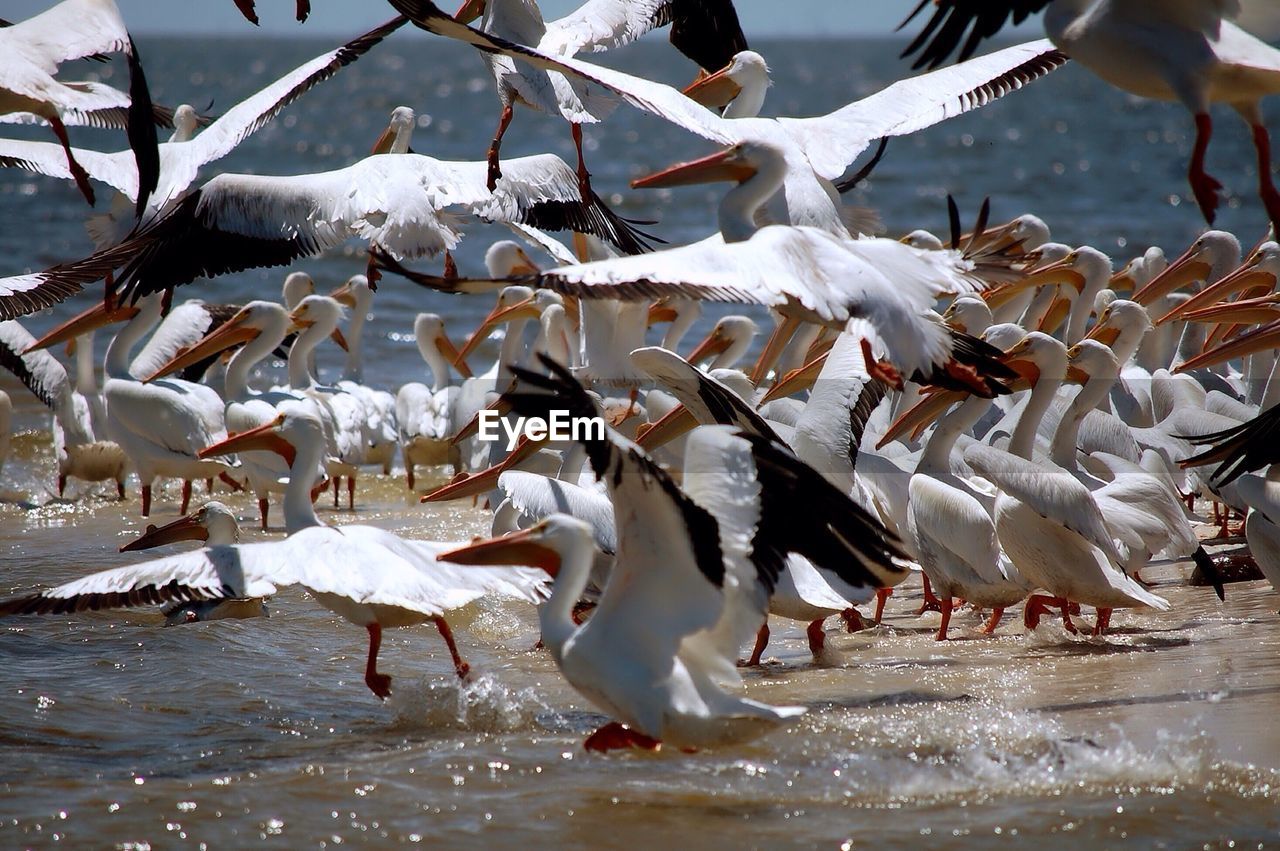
118 731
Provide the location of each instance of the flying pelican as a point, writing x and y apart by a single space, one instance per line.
79 437
182 156
817 150
711 553
706 31
33 49
214 525
369 576
406 205
1186 52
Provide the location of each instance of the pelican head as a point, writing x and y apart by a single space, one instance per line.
250 322
213 523
1038 356
297 286
319 311
355 294
395 139
505 258
727 342
968 313
1212 254
1089 359
743 82
185 120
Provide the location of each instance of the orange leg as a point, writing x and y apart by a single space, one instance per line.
351 493
208 486
146 500
235 486
1039 604
852 620
882 594
817 638
186 496
120 489
584 176
946 619
1267 189
379 684
1204 187
762 641
614 736
996 614
62 484
495 147
263 508
77 172
931 602
1103 621
408 474
458 665
372 272
337 485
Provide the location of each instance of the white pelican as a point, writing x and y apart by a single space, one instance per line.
691 580
406 205
1178 51
182 156
79 418
706 31
817 150
162 425
33 49
424 414
379 425
369 576
726 343
214 525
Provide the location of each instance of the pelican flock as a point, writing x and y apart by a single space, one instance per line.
988 416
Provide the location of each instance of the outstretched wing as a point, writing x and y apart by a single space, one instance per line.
970 21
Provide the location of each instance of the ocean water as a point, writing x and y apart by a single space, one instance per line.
121 732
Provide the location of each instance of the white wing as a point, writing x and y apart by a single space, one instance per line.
70 30
537 496
779 266
833 141
1050 492
599 25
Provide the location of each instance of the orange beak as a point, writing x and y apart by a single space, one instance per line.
661 311
523 308
344 295
716 90
519 548
469 11
263 438
183 529
773 348
473 425
1251 311
713 344
95 317
451 354
1187 269
464 485
232 333
383 145
1257 340
1246 277
720 166
797 380
676 422
917 418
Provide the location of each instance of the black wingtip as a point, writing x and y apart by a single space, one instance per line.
142 131
953 217
1209 572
